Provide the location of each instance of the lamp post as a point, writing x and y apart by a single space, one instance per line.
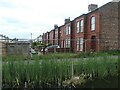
31 36
31 39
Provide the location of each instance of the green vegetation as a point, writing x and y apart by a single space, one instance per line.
55 71
61 56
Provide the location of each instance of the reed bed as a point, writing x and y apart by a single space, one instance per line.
52 72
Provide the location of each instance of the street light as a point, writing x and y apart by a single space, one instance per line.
31 38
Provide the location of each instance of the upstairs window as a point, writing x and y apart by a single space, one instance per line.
81 25
78 27
68 30
93 23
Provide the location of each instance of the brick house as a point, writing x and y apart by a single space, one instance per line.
47 38
109 26
79 33
98 30
51 37
43 38
62 36
101 29
66 34
92 33
56 35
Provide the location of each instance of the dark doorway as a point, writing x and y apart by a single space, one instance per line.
93 43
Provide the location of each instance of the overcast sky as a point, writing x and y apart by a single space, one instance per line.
20 18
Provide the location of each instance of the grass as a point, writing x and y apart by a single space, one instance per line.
61 56
51 72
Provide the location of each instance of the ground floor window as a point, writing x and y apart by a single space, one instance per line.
67 43
77 44
81 44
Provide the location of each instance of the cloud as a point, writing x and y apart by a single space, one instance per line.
3 3
19 18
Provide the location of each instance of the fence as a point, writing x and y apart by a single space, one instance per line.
0 66
85 45
22 46
35 73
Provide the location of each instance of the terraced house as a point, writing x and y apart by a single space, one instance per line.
98 30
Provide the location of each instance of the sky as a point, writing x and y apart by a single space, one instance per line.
20 18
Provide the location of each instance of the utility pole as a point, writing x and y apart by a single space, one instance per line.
31 36
31 39
31 46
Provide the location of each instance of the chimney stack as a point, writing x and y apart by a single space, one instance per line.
67 20
55 26
92 7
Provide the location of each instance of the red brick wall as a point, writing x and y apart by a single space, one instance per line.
106 29
62 36
51 37
109 26
90 33
81 34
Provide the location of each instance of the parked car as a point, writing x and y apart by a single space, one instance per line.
52 46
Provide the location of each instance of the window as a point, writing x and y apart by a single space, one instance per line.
81 26
68 30
81 44
77 27
92 23
67 43
77 44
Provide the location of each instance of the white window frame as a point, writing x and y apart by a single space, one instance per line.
69 30
66 30
77 43
93 23
67 43
81 44
81 25
78 24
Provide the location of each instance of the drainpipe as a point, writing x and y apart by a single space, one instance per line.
85 46
98 45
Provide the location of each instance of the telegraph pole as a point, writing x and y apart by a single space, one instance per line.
31 38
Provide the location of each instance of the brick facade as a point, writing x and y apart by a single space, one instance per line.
109 26
92 45
62 36
101 30
51 37
79 34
